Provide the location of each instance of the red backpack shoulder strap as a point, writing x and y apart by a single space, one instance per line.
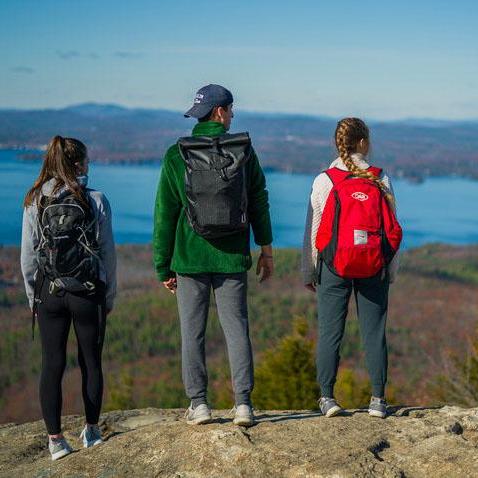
337 175
376 171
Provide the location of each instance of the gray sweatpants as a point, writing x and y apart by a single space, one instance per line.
193 294
371 297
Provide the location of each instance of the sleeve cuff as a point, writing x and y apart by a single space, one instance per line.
165 275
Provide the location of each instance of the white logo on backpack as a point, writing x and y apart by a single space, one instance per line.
360 196
360 237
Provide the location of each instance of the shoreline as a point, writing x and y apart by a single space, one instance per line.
31 154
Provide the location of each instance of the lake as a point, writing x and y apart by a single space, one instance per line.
438 210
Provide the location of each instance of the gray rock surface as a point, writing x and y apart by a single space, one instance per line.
412 442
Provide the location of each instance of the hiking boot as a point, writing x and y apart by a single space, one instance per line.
243 415
329 407
199 415
58 447
91 436
377 407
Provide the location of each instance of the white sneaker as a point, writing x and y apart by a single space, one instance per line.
244 415
329 406
59 448
377 407
91 436
199 415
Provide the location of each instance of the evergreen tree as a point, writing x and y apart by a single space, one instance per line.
286 377
459 382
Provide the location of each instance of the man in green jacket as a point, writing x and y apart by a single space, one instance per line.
191 265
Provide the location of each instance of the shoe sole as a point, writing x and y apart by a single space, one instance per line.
376 413
243 422
333 411
199 421
59 454
89 445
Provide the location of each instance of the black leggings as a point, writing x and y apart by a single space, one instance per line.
55 313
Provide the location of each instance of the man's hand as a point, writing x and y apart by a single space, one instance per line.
265 263
171 284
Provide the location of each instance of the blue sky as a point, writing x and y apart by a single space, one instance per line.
376 59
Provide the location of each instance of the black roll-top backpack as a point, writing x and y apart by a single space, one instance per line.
68 251
216 183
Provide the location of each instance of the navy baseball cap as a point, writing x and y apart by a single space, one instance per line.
207 98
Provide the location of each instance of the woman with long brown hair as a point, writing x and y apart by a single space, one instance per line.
69 266
350 245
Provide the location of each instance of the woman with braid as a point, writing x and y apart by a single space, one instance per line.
339 258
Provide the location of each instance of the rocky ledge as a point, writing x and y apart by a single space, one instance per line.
411 442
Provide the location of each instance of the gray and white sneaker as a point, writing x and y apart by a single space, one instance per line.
377 407
199 415
243 415
91 436
58 447
329 406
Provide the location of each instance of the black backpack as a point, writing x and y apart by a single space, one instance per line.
216 183
68 251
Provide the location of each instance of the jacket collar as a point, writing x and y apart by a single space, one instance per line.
209 128
358 159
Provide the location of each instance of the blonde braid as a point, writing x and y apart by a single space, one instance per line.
348 134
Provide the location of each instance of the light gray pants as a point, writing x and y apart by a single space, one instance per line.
193 294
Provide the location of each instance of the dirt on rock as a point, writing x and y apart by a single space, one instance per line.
411 442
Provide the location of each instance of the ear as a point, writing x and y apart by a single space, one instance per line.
79 167
216 114
221 111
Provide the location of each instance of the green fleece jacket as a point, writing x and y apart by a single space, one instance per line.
177 248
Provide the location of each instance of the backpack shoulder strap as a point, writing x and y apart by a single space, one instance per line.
337 175
376 171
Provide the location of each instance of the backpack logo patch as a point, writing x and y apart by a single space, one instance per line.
360 196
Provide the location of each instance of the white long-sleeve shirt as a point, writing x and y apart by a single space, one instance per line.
320 191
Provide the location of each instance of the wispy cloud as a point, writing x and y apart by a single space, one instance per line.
128 54
67 54
70 54
23 69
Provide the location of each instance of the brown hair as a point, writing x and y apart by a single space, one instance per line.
61 157
348 134
209 116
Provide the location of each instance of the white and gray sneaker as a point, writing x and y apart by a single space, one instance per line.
199 415
91 436
243 415
377 407
329 406
58 447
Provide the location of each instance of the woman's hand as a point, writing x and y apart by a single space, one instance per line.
312 287
265 263
171 284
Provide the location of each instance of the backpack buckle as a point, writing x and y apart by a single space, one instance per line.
89 286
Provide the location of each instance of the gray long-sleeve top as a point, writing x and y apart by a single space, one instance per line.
104 237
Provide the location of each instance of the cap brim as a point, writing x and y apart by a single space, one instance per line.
198 111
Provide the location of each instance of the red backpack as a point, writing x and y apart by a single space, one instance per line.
359 233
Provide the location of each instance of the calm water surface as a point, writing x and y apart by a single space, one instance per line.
438 210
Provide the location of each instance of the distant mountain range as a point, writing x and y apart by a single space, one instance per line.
414 148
